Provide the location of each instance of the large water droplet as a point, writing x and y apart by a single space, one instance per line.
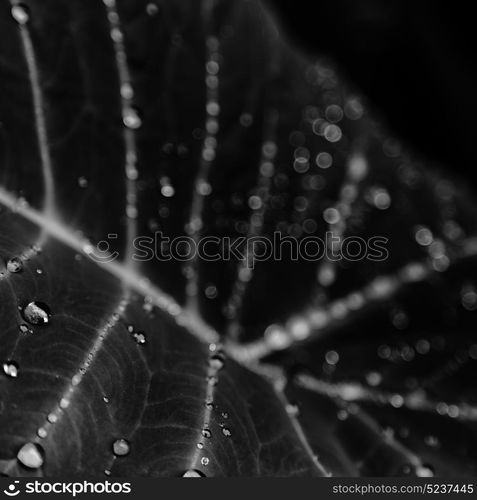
121 447
10 369
217 362
14 265
206 433
424 471
20 13
31 456
36 313
193 473
131 118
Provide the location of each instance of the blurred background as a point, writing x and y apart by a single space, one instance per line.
415 62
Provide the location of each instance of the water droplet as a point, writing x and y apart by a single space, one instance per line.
42 433
14 265
31 456
82 182
52 418
20 13
131 118
332 357
424 471
193 473
24 328
36 313
331 215
200 446
204 461
121 448
10 369
226 432
206 433
292 409
217 362
140 338
225 415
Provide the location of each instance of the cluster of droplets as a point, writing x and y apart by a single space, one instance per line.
130 114
35 314
434 247
202 187
258 202
216 364
300 327
138 336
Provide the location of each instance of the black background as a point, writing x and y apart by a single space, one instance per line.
415 62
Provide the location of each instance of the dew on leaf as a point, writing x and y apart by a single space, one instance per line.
14 265
424 471
31 455
52 418
10 369
20 13
36 313
226 432
206 433
42 433
193 473
140 338
24 328
131 119
217 362
332 357
121 447
204 461
292 409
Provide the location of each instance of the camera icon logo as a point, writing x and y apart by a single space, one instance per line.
12 490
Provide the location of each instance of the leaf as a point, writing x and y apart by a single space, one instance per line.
120 119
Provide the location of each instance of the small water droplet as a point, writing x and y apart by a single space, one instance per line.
200 445
52 418
204 461
225 415
20 13
140 338
131 119
206 433
226 432
121 447
193 473
82 182
14 265
292 410
42 433
24 328
10 369
36 313
31 456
